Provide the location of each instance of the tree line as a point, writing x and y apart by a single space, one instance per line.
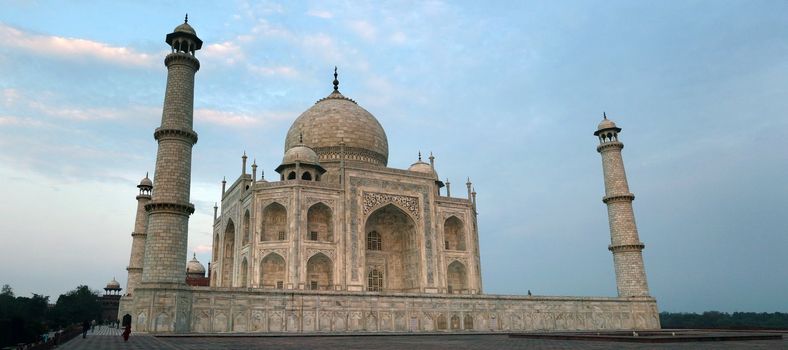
724 320
24 320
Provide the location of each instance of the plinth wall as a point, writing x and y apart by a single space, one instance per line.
233 310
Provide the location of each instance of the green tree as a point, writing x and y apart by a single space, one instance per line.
76 306
22 319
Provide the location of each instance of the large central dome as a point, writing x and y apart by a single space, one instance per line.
336 119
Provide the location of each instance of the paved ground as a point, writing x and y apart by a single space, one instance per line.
110 339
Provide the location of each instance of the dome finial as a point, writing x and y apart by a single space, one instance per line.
419 155
194 256
146 174
336 81
604 115
301 134
186 20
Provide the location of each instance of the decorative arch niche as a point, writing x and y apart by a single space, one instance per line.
320 225
454 234
274 223
272 271
244 273
319 272
456 278
246 228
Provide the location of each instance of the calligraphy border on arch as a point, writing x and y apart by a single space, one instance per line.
374 200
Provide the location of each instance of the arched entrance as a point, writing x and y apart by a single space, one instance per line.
398 248
319 272
456 278
229 255
272 271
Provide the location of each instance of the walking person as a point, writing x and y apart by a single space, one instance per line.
93 326
126 327
85 327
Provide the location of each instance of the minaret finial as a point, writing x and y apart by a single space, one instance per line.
186 20
604 115
419 155
194 256
146 174
336 80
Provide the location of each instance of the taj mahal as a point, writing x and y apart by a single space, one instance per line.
338 241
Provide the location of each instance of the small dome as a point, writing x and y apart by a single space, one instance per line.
195 267
113 284
300 153
146 182
606 124
422 167
185 28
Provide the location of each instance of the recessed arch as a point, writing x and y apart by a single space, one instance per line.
216 244
456 278
274 224
467 321
244 273
400 252
247 231
306 176
454 234
319 272
320 223
229 254
272 271
291 175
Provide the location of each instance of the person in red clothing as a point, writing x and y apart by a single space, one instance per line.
126 327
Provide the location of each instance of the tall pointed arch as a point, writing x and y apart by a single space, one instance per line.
228 259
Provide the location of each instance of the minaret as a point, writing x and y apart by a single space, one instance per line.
138 236
169 209
624 241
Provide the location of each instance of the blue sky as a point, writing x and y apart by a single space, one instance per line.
508 93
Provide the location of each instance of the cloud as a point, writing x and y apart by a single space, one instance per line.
320 14
228 52
73 48
280 70
398 38
224 118
8 120
364 29
9 96
42 104
203 248
322 45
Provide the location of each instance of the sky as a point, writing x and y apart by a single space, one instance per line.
507 93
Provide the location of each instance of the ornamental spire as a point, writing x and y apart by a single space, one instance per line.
336 81
186 20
